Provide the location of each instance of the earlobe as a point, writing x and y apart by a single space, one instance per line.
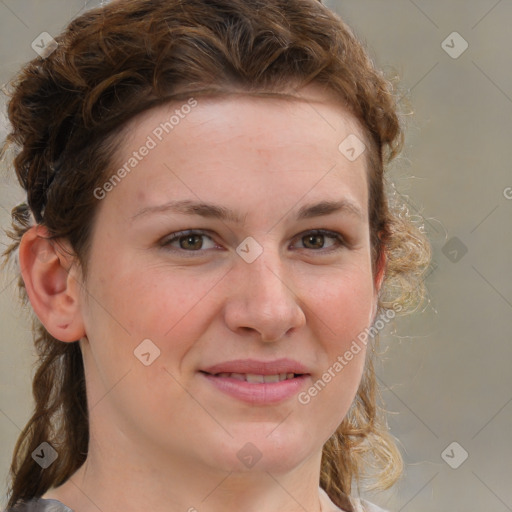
51 283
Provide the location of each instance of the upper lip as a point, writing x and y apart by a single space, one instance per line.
256 367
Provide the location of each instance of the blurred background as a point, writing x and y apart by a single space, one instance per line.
445 371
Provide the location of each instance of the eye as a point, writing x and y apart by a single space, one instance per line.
191 241
316 240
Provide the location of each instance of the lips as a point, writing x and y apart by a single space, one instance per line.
255 378
258 382
252 367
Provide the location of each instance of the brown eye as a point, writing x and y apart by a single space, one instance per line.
313 241
321 240
191 242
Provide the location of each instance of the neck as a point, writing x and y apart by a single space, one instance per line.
125 479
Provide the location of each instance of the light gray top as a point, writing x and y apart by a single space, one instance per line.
50 505
40 505
359 505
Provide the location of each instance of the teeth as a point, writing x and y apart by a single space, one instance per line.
257 379
237 376
251 377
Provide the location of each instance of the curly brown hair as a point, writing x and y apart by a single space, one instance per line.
112 63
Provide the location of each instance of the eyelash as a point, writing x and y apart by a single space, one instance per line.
166 243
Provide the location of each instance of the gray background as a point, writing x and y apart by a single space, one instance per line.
446 369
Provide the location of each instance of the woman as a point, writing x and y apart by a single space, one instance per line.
206 244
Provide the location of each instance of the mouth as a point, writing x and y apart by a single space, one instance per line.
255 378
257 389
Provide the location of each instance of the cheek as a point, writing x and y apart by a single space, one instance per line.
151 298
129 304
342 310
343 301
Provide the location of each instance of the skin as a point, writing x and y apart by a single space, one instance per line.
162 437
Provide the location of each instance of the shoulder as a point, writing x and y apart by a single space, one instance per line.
361 505
354 504
40 505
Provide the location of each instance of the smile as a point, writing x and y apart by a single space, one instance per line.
254 378
257 389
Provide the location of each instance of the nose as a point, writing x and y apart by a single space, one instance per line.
263 300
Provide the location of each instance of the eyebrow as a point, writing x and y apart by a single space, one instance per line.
308 211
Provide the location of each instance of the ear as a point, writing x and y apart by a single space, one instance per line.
52 283
379 278
381 267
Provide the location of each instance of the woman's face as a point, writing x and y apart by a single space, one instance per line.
235 245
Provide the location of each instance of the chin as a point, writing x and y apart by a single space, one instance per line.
253 449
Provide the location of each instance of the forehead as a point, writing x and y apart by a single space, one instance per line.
242 144
314 113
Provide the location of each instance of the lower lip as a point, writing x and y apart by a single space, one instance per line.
258 392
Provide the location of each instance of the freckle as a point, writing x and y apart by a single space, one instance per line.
140 196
